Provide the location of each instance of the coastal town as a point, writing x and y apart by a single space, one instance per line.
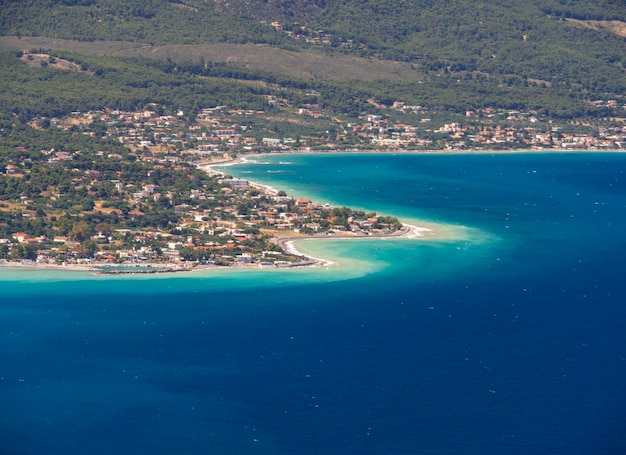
141 210
221 129
129 210
238 224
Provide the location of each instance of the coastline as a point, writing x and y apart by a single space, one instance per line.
244 157
287 243
96 268
408 231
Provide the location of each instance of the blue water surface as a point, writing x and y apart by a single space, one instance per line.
505 333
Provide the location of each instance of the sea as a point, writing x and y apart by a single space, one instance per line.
502 330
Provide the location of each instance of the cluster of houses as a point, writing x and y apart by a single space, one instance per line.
218 130
299 32
235 231
483 128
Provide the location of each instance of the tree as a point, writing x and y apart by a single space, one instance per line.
188 254
17 251
88 248
30 252
80 232
105 228
65 225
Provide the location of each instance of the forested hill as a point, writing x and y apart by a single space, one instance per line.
562 41
486 47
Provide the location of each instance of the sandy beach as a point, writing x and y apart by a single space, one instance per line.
208 167
287 243
38 265
408 231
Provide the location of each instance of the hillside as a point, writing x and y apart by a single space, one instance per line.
545 55
526 40
304 63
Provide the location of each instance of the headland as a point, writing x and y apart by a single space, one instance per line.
264 233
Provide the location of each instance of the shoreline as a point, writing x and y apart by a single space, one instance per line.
248 157
287 243
208 168
407 231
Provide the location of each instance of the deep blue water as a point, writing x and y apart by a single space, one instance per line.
505 335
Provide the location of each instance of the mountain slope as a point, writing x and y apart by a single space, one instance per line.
509 40
550 55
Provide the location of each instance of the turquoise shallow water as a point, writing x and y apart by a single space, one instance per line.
503 334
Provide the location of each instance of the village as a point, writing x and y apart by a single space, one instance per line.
246 228
221 129
216 221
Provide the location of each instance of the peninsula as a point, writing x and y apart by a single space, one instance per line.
127 211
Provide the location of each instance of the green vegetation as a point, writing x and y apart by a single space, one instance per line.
130 83
122 83
148 21
492 42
